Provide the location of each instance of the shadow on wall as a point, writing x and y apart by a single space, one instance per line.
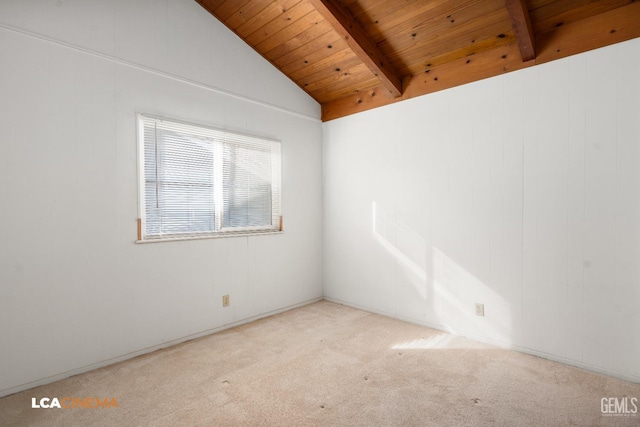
448 290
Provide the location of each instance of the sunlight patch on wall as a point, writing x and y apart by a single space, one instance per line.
456 292
446 284
384 230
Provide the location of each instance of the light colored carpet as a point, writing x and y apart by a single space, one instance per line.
330 365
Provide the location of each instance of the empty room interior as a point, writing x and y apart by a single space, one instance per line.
319 212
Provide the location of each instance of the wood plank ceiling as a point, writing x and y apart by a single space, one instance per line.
353 55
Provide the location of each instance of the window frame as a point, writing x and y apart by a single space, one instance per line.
223 232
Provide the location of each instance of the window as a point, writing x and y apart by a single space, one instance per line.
198 181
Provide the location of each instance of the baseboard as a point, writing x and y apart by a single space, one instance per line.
131 355
497 343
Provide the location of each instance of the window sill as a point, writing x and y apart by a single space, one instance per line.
209 236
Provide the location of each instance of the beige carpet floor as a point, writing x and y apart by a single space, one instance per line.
329 365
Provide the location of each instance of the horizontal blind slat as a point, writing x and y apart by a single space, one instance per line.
186 167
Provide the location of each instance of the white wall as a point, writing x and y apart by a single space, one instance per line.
521 192
75 290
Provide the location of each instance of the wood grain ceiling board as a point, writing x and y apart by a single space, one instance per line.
329 65
479 45
342 82
429 44
266 15
605 29
227 8
241 16
210 5
311 53
330 93
335 70
421 14
288 24
313 32
614 26
554 15
361 44
445 25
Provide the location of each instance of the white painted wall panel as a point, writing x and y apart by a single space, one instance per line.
75 290
575 309
601 196
627 296
508 321
482 213
520 192
414 292
176 37
548 323
4 251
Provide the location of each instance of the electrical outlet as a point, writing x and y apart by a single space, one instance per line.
225 300
479 309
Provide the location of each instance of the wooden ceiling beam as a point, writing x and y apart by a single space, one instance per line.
521 22
614 26
489 63
360 43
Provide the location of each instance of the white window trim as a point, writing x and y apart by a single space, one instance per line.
224 232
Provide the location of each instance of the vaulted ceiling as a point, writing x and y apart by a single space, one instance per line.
353 55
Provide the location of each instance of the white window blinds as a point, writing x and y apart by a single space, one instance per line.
199 181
